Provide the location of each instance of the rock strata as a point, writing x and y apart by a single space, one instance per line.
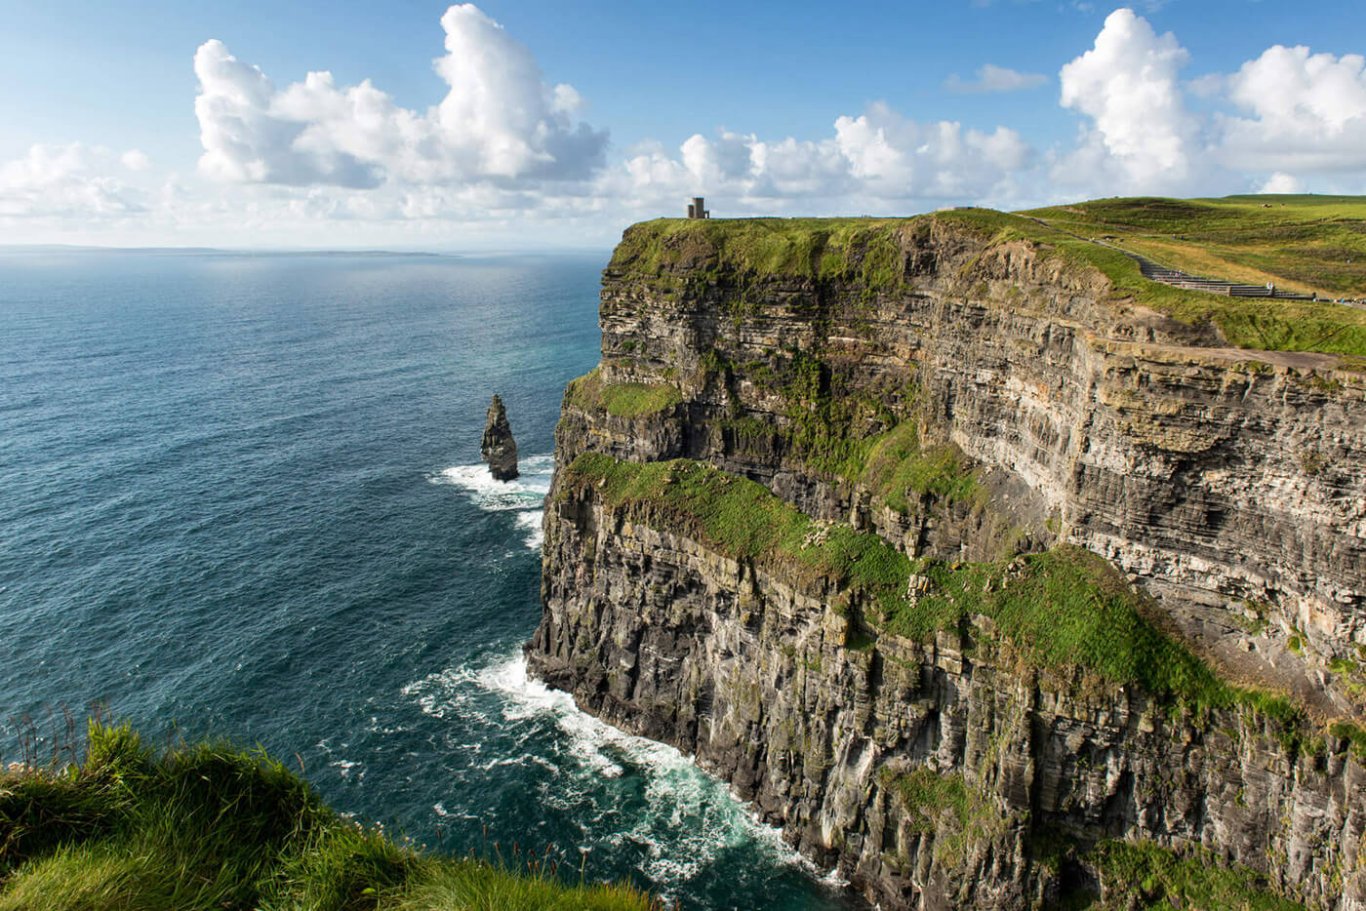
499 449
966 398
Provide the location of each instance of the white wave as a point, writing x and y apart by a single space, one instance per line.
693 817
530 524
346 766
526 494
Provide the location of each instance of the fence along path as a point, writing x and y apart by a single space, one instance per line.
1178 279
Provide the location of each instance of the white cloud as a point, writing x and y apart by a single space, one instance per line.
1308 113
135 160
1281 182
499 121
1141 137
876 161
992 78
504 158
71 181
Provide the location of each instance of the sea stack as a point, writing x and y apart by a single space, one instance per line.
499 448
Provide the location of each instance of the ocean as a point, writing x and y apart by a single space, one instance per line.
240 496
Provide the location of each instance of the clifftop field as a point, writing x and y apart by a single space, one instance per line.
1306 244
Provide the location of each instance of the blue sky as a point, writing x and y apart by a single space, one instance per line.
176 123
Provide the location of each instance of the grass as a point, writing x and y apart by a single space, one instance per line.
1307 243
623 400
944 805
1353 734
744 521
1064 610
836 427
865 250
1141 874
894 464
209 826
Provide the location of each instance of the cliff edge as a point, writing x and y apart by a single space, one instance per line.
994 577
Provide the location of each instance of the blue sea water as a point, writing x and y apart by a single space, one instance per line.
240 496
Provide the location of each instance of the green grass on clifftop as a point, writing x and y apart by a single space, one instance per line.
209 827
1310 243
1303 243
869 250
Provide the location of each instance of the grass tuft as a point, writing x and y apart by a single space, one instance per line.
623 400
208 826
1141 874
944 805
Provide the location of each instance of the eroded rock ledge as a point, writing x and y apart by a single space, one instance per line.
940 399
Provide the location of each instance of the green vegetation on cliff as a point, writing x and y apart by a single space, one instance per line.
744 521
845 430
622 400
867 250
212 827
1144 875
1306 243
944 805
895 464
1065 610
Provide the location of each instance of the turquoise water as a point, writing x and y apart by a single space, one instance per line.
239 495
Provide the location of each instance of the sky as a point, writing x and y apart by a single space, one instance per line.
544 124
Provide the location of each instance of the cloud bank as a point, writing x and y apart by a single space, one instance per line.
499 121
505 152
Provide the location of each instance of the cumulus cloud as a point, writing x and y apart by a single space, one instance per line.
877 160
504 153
499 120
1284 117
1307 113
992 78
71 180
1141 136
1281 182
135 160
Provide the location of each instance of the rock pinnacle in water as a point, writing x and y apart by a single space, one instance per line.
499 448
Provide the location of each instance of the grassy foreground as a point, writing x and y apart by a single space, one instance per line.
209 826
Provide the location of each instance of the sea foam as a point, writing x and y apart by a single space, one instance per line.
525 495
690 818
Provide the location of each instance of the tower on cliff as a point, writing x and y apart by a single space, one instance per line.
697 208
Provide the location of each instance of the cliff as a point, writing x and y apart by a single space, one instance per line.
989 578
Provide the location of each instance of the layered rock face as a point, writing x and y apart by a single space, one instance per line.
1019 407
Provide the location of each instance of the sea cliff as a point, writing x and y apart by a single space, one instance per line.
995 584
